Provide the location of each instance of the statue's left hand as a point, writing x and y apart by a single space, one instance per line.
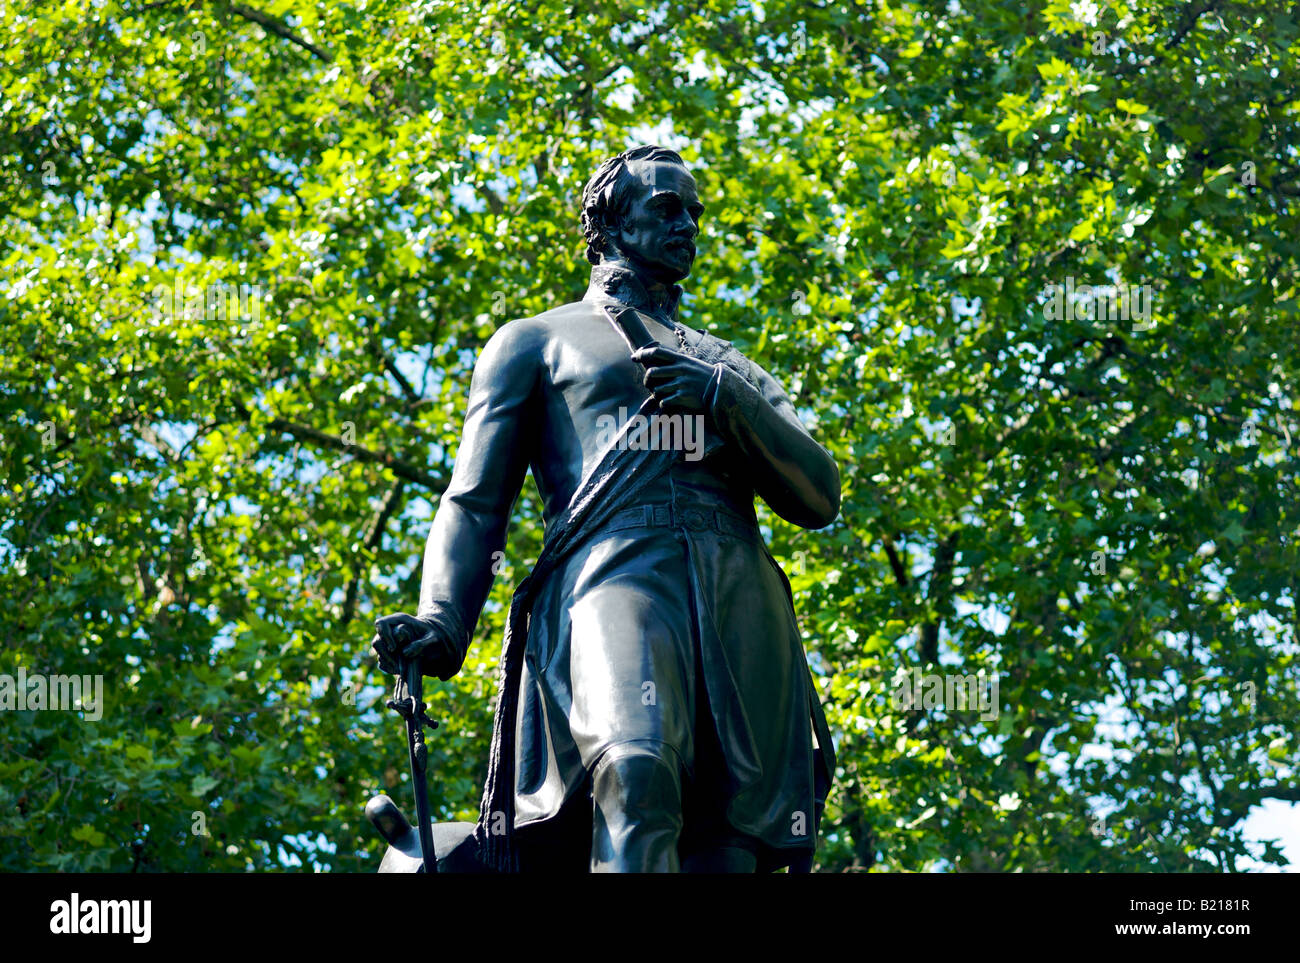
676 379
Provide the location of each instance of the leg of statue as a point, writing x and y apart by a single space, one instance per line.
637 800
721 859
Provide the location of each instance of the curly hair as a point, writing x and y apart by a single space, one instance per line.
607 196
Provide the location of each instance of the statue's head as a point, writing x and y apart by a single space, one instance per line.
642 208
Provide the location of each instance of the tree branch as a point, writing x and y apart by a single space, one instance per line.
895 563
271 25
412 396
940 585
399 467
373 541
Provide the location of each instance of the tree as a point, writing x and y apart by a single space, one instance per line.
251 251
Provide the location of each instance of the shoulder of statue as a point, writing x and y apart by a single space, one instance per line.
515 349
533 331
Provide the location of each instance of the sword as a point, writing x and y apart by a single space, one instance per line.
407 701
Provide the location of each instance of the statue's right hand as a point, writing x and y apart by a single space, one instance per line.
401 638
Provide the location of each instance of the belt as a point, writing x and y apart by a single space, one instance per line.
694 518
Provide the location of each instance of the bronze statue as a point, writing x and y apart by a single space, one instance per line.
656 710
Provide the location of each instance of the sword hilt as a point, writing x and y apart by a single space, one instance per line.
408 707
410 681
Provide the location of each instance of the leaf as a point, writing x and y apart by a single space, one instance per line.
89 835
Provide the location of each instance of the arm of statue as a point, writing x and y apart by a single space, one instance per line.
469 527
797 477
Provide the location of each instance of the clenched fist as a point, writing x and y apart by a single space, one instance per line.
402 637
676 379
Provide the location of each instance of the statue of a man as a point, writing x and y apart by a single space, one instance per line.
656 710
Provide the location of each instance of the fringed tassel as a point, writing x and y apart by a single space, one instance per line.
496 817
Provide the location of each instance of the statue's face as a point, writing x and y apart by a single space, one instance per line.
658 232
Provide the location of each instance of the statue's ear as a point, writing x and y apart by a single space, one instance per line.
610 225
600 233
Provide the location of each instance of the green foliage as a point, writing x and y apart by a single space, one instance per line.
208 510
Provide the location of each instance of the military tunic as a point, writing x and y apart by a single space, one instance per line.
671 624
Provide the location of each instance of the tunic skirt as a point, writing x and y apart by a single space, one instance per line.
673 626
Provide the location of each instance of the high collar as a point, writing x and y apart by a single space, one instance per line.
614 282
